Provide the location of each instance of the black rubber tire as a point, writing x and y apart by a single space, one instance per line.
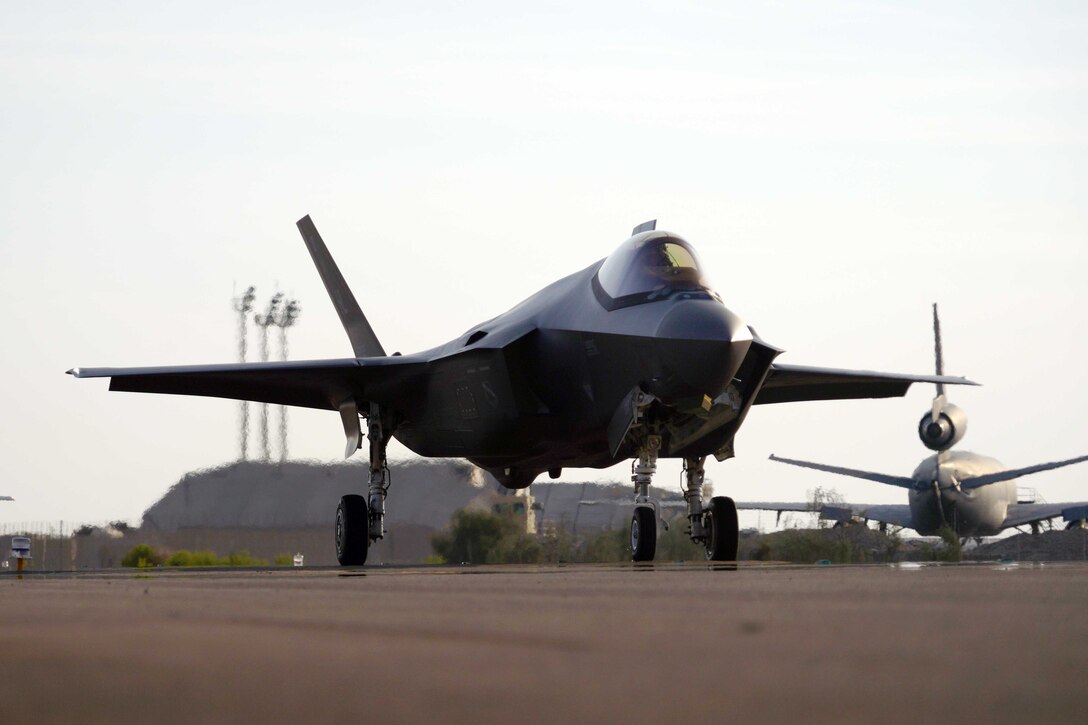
352 530
722 530
643 534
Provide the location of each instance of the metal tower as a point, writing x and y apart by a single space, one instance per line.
288 315
243 306
263 321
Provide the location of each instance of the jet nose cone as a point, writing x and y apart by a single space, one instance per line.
703 345
702 320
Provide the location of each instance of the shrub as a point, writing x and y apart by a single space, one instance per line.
610 545
142 556
242 558
481 537
180 558
183 557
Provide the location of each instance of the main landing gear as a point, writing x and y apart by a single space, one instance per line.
360 521
714 526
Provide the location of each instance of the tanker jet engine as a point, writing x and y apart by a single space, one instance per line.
974 495
633 357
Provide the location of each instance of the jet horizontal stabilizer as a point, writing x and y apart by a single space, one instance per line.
987 479
900 481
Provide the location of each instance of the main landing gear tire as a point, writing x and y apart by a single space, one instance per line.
352 531
722 529
643 534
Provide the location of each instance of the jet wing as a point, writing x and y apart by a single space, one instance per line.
895 514
1027 513
793 383
323 384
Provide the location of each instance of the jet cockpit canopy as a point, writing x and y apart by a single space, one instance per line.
651 266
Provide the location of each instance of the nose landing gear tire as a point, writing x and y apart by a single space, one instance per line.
722 529
643 534
352 531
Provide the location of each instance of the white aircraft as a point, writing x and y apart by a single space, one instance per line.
974 495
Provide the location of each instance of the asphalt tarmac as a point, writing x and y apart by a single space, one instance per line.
673 643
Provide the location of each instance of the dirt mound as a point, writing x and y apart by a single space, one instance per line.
1071 545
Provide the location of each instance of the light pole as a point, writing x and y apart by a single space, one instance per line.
287 317
243 305
263 320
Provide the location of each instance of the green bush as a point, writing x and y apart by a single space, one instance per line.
610 545
853 544
558 546
142 556
180 558
675 544
184 558
481 537
283 560
242 558
948 550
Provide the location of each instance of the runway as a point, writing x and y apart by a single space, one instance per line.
969 643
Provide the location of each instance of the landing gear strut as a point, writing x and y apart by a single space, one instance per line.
359 520
644 520
714 526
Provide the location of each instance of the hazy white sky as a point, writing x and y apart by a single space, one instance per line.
838 166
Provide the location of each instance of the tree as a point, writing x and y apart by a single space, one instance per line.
818 498
482 537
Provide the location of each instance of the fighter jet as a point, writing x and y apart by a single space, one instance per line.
633 357
974 495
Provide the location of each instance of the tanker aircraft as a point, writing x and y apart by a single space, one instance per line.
974 495
633 357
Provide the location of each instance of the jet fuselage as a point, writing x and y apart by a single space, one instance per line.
969 511
536 387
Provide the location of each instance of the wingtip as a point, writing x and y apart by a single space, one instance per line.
305 218
74 372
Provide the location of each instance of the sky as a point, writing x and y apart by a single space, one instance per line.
838 166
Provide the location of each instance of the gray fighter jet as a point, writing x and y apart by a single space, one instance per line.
974 495
633 357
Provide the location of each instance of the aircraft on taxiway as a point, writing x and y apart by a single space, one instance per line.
974 495
633 357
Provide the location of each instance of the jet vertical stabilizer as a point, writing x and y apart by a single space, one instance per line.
363 340
945 424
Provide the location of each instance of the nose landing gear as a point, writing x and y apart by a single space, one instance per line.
714 525
644 520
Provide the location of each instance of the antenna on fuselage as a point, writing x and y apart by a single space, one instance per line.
645 227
